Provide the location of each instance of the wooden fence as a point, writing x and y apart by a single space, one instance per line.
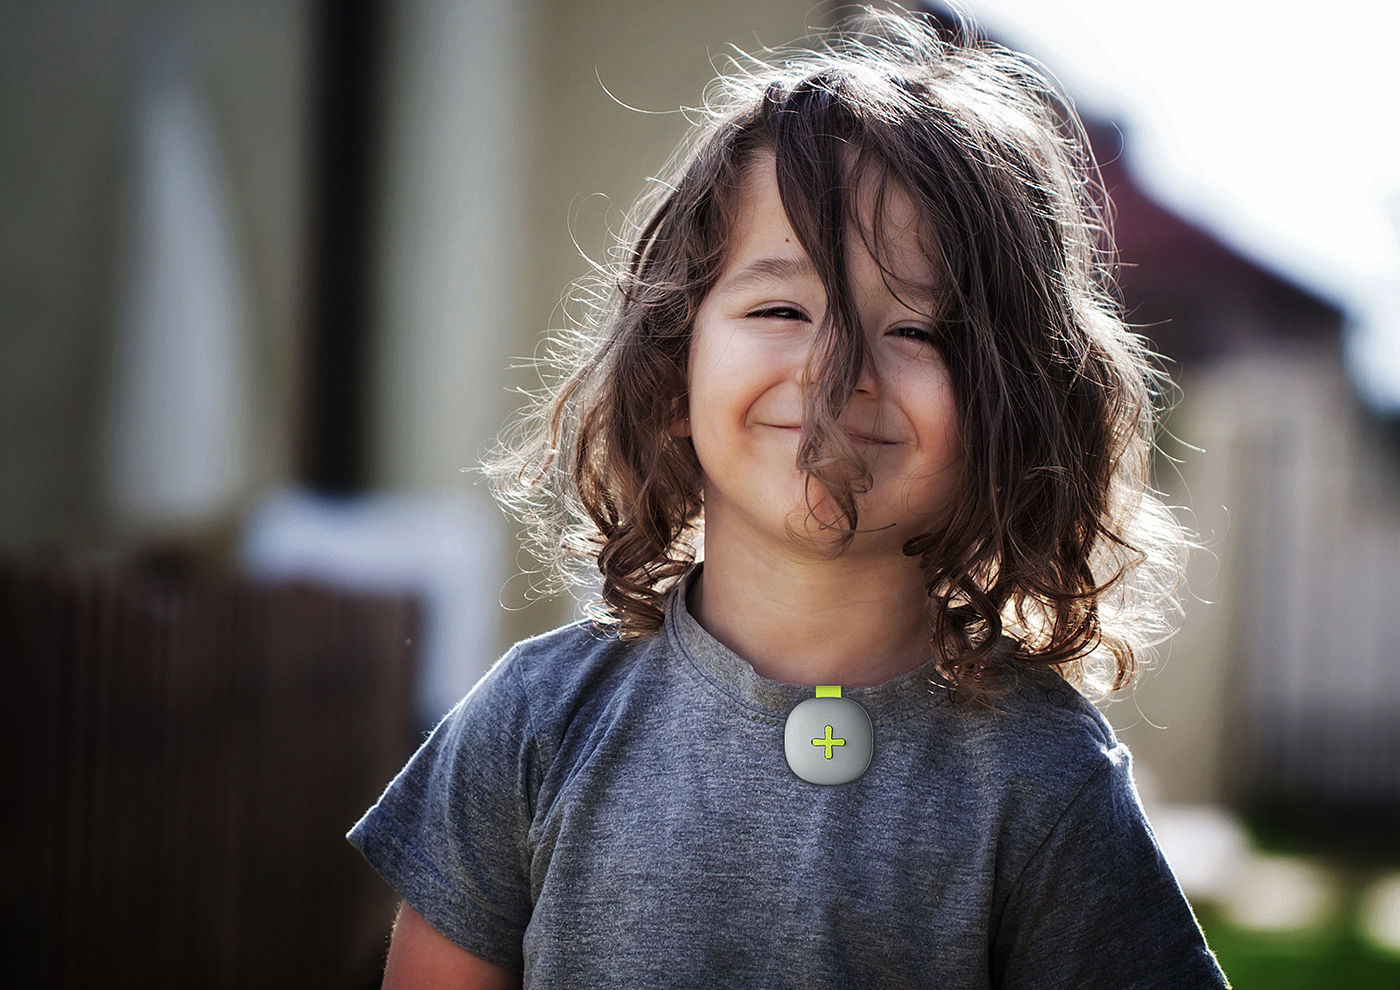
180 761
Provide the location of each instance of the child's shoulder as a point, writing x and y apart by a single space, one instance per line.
1039 691
572 641
578 664
571 656
1040 726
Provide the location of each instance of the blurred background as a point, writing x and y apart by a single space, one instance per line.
272 271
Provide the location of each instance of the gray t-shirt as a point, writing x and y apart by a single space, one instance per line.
597 813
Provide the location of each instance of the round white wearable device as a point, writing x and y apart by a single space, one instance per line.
828 739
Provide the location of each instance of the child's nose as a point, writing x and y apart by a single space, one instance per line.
869 382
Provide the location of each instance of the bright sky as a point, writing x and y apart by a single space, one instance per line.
1274 125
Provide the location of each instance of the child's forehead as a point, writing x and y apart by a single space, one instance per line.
881 217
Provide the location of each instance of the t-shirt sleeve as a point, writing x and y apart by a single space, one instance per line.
450 833
1097 906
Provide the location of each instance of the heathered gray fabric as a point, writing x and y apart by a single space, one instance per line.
600 814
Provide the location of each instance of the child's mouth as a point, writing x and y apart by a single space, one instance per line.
855 436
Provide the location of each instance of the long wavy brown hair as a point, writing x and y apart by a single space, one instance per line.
1056 539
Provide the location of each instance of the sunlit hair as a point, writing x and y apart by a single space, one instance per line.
1055 539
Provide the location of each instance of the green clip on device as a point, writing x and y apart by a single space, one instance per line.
828 739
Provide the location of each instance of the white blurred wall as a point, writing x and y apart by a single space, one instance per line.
1285 673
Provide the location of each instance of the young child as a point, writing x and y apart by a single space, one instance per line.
860 421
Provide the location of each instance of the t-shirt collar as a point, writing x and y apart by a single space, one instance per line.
892 701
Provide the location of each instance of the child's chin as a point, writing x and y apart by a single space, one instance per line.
824 533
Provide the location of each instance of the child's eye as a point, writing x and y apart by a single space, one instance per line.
777 312
920 334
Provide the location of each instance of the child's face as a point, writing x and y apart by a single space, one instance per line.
749 349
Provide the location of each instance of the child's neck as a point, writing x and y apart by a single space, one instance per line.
852 621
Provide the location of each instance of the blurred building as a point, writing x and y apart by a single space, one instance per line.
1282 691
255 246
269 245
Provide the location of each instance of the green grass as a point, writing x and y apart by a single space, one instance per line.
1331 957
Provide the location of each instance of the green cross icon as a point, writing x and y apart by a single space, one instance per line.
828 742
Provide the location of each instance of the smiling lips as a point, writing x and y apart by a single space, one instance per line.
852 435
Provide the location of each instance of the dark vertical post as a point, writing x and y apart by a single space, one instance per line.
346 67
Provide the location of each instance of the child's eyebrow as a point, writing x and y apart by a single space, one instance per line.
765 271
